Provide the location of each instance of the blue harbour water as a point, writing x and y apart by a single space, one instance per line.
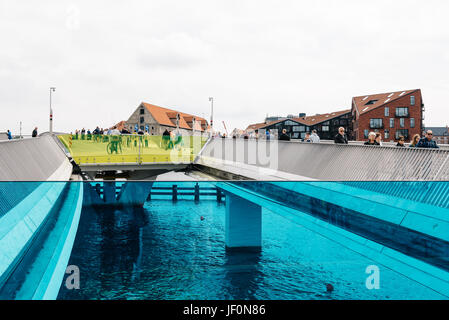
166 251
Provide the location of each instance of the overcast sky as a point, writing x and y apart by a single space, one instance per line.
254 57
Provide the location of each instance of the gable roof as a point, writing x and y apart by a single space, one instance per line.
256 126
307 121
318 118
167 117
366 103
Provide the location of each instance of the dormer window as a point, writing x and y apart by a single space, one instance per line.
371 102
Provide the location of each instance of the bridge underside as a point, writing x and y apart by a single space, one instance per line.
129 172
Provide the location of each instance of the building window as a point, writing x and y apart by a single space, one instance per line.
412 100
401 112
299 128
365 133
387 134
402 122
391 122
376 123
142 119
387 111
142 111
412 122
290 123
325 128
402 132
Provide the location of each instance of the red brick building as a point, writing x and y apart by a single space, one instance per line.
392 114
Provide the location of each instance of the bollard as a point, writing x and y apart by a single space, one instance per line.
175 193
197 192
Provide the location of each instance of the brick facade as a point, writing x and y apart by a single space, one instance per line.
362 122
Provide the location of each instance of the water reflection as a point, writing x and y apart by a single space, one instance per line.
121 246
242 274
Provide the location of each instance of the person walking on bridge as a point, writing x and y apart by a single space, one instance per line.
414 141
427 141
9 135
341 137
314 137
371 140
284 136
401 142
379 138
307 138
34 133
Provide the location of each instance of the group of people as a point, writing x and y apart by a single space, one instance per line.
375 139
97 131
83 133
310 138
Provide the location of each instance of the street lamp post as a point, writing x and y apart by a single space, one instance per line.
211 99
52 89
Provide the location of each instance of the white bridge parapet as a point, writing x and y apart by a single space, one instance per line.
36 159
280 160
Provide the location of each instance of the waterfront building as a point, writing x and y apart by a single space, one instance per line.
392 114
155 120
326 125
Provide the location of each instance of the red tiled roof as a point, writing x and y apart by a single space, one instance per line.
256 126
367 103
307 121
167 117
120 125
318 118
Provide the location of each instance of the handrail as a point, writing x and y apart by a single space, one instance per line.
331 162
89 149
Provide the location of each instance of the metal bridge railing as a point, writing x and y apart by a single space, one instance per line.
332 162
131 149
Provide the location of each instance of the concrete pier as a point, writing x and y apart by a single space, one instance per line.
129 194
243 226
109 192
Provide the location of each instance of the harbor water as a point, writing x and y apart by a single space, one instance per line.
176 250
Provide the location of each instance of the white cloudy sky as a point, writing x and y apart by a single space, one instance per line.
254 57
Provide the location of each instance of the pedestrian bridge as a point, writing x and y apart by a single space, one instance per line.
131 149
144 157
401 225
279 160
133 154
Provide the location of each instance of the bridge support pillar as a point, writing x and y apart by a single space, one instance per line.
109 192
134 193
243 226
